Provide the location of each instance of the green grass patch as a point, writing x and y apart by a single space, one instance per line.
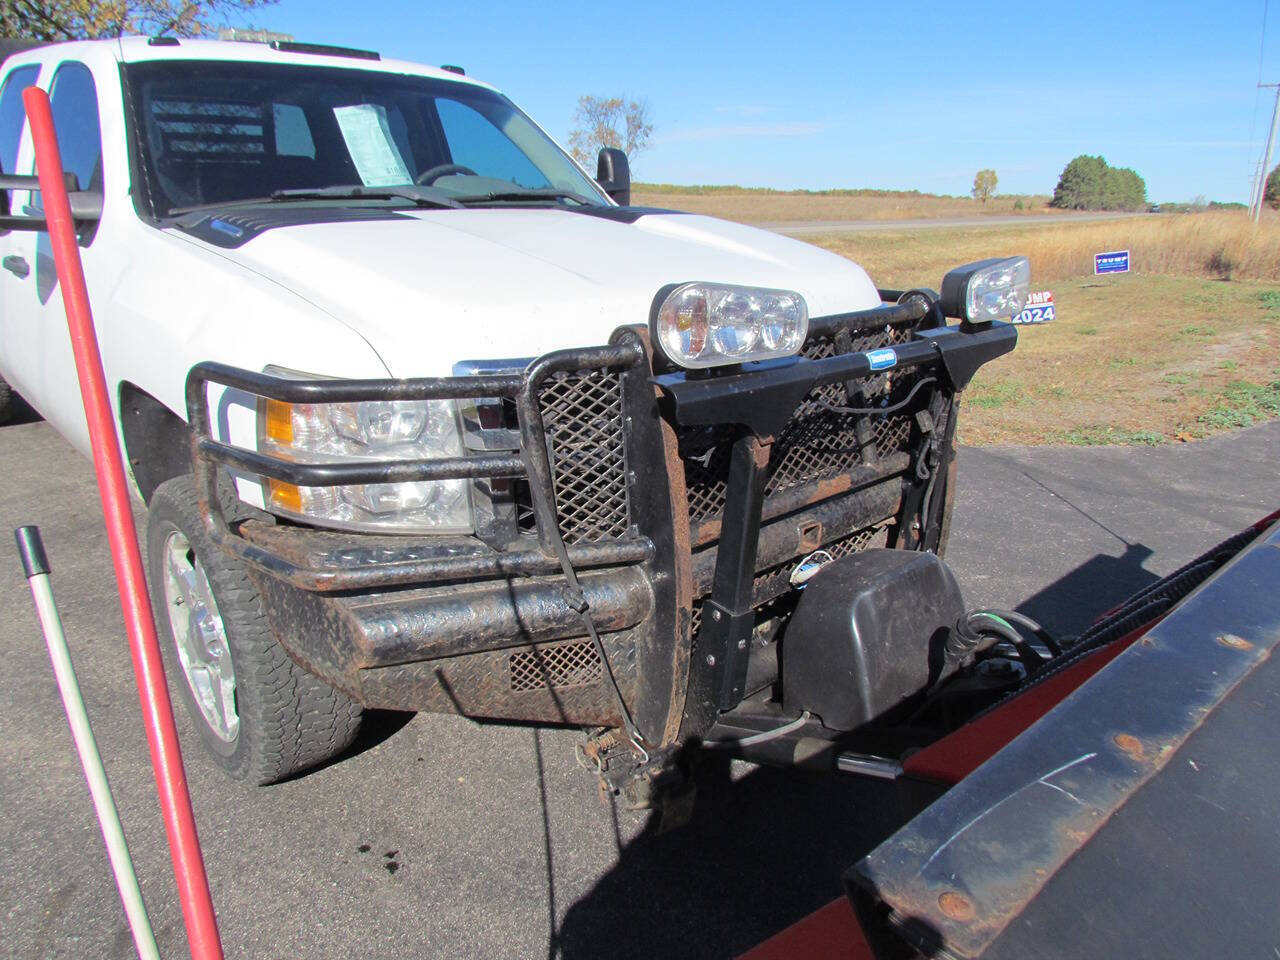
1243 404
1177 379
1117 362
1097 435
1197 330
990 396
1088 331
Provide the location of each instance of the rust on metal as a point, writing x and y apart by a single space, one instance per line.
1130 745
1234 641
803 495
956 906
784 539
810 535
761 449
681 642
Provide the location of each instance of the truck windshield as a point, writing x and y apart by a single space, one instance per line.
213 133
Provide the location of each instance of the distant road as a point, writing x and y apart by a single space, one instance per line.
809 227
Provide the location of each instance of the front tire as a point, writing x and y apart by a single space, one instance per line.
6 402
261 716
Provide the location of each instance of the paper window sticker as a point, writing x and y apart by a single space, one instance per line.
368 137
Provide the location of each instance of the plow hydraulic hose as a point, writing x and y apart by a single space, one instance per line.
157 711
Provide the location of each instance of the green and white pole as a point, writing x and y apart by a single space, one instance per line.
36 566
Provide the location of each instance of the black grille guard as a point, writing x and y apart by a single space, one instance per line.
758 397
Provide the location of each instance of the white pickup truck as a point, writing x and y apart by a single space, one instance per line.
428 418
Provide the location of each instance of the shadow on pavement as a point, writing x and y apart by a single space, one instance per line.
1070 604
760 853
376 726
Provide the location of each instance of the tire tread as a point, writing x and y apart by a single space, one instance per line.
290 719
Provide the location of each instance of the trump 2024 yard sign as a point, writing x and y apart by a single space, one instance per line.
1113 261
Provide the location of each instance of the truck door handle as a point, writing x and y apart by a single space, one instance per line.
17 266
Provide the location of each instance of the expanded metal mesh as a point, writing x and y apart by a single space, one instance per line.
777 580
582 414
574 664
817 443
771 584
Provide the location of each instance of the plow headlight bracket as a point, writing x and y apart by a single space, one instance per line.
987 290
703 325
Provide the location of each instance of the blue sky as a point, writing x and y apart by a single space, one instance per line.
901 95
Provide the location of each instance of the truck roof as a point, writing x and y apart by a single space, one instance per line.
139 49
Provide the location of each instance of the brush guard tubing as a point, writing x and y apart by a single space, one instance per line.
157 710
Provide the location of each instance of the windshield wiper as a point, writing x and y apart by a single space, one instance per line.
420 195
530 193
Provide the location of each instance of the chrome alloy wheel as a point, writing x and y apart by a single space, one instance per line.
200 637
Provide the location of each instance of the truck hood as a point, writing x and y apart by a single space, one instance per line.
433 287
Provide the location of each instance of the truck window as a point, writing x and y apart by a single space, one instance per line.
12 119
214 133
475 142
74 103
293 135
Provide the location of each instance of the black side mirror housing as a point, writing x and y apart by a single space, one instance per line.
613 173
86 205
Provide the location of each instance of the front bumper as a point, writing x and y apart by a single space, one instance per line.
630 472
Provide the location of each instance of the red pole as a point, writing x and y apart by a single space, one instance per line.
157 711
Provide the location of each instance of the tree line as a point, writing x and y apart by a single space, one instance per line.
1089 183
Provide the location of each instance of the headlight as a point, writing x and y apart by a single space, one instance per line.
375 430
709 324
987 290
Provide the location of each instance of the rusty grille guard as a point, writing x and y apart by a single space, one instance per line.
678 694
717 399
407 565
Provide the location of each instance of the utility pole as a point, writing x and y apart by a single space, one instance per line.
1260 192
1253 185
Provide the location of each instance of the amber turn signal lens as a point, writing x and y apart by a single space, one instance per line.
278 423
284 496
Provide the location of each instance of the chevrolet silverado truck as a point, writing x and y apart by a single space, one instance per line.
426 417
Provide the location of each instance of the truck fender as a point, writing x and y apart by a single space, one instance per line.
156 440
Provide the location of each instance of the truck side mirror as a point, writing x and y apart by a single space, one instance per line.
613 173
86 205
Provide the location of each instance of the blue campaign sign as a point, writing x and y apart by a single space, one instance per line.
1114 261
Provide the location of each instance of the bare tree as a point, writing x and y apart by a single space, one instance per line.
609 122
984 185
55 20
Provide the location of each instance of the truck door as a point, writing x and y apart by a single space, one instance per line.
38 340
17 269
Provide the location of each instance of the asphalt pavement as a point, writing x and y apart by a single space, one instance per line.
442 837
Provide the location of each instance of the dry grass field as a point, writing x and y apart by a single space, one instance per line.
1185 346
1219 246
773 206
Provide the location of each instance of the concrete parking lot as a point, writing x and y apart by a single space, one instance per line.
442 837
